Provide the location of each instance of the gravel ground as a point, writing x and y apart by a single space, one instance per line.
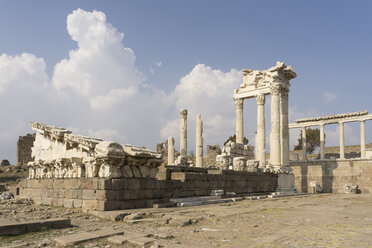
322 220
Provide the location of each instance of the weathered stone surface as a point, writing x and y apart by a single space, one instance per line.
70 240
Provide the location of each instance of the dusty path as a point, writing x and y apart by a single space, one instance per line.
324 220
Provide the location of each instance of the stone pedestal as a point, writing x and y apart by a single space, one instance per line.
170 151
199 142
286 183
239 121
183 134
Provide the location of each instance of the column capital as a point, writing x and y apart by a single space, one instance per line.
275 89
183 113
239 103
260 99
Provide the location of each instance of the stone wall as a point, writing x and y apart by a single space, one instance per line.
333 175
24 145
112 194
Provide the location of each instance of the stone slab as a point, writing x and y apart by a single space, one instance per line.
135 240
194 199
73 239
33 226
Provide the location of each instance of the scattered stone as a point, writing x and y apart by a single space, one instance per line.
352 188
217 192
6 196
134 216
316 187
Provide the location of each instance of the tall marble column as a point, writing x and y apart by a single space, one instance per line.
183 133
275 126
304 148
322 141
199 142
170 150
260 135
342 141
362 139
239 120
284 128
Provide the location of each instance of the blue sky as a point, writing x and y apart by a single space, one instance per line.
328 43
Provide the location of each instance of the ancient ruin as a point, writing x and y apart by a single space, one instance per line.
60 154
24 145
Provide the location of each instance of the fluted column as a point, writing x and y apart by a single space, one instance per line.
199 142
275 126
183 133
170 150
362 139
239 120
342 141
284 128
322 142
260 135
304 148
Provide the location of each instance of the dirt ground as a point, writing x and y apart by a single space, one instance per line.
322 220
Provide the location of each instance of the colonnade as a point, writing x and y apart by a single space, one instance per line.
279 136
340 119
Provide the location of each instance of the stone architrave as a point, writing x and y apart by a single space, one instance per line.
260 135
171 151
284 129
183 134
275 126
199 142
239 120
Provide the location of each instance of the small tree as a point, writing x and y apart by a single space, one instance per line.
312 140
232 138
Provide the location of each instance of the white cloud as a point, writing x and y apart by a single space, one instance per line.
101 69
329 97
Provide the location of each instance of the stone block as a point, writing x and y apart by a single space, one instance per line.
134 184
118 183
86 183
76 194
90 204
78 203
68 203
150 183
89 194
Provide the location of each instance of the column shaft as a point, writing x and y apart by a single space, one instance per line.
199 142
183 133
322 142
239 120
260 135
275 127
170 150
304 152
284 129
342 141
362 139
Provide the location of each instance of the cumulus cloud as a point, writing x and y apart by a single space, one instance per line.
207 92
101 69
329 97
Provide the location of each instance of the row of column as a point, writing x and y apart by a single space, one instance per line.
183 140
342 141
279 136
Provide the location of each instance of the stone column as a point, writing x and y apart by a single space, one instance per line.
342 141
304 152
284 128
170 150
239 120
322 141
362 139
275 126
183 133
260 135
199 142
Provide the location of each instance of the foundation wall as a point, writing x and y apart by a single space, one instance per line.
333 175
113 194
